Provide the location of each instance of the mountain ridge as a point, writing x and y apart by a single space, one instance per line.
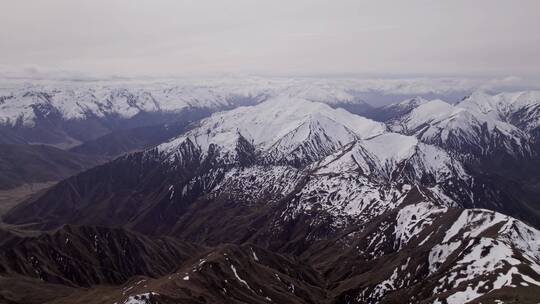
294 201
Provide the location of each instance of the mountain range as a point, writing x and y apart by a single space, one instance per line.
275 195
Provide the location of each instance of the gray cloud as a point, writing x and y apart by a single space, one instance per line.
166 37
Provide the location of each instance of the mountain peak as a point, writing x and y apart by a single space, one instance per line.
279 126
468 128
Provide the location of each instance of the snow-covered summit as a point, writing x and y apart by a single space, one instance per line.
519 108
279 128
462 129
502 104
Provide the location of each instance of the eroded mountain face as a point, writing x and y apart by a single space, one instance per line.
294 201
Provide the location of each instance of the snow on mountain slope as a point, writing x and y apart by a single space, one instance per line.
503 251
281 129
358 182
462 130
72 103
475 222
391 147
20 110
386 156
519 108
22 103
462 255
370 177
355 178
363 179
500 105
259 183
299 172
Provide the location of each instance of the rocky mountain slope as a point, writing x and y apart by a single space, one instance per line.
416 253
27 164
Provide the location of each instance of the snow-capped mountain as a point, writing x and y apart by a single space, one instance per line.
279 130
463 130
521 109
352 163
25 105
68 114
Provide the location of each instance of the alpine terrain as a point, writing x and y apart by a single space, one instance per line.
268 193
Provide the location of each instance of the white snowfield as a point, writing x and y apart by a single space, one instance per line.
358 168
280 125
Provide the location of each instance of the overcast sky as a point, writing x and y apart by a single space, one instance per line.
301 37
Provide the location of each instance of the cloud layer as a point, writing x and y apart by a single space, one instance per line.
170 37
